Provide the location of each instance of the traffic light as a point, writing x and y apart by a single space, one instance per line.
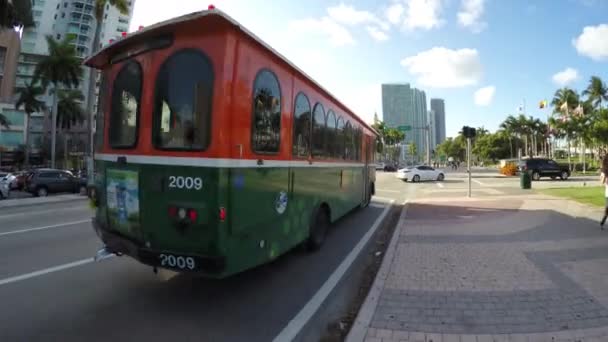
468 132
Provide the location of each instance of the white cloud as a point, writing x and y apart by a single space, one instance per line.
348 15
593 42
423 14
364 100
377 34
565 77
440 67
338 35
484 96
394 13
470 14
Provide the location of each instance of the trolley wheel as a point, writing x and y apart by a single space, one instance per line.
318 229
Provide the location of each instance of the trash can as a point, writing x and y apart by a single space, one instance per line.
525 181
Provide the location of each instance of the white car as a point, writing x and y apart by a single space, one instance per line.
5 187
420 173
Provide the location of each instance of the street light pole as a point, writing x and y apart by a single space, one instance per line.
469 162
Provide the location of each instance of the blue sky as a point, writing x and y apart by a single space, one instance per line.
484 57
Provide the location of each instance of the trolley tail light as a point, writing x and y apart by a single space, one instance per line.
192 215
222 214
172 211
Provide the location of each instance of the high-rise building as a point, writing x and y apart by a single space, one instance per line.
432 129
403 105
9 53
60 19
438 107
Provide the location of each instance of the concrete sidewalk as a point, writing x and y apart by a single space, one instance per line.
17 202
508 268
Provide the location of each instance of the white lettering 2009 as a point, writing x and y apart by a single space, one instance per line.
189 183
177 261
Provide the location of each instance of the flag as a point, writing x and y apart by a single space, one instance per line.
542 104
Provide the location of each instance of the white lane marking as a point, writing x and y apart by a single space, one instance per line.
294 326
387 190
383 199
45 271
30 213
45 227
440 185
476 181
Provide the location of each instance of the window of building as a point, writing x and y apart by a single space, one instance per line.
105 16
339 142
58 6
182 107
266 125
301 126
63 14
318 131
65 5
37 13
330 135
2 58
58 36
55 17
348 137
126 99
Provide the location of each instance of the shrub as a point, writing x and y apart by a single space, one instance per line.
509 169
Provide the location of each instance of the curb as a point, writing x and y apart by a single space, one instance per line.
26 202
364 317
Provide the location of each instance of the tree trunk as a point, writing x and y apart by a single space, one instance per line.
65 149
526 145
511 146
91 93
569 155
26 135
53 127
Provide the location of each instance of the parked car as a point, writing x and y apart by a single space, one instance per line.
5 188
420 173
543 167
379 166
390 168
41 182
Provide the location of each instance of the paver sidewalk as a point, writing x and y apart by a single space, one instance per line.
509 268
9 203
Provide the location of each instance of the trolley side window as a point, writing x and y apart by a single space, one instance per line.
182 107
301 127
266 127
126 99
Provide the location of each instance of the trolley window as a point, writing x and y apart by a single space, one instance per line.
182 107
301 127
266 127
126 98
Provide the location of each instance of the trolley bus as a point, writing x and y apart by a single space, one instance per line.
215 154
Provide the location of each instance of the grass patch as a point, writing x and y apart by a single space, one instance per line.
593 195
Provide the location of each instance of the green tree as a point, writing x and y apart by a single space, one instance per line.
69 113
28 99
100 8
413 149
61 69
596 92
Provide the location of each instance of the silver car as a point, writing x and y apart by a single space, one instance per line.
5 186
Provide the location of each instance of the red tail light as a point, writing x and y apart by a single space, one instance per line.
192 215
172 211
222 214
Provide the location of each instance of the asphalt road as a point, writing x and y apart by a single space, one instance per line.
50 288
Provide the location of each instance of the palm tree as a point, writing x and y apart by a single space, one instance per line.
570 98
512 129
61 68
28 99
69 113
100 8
596 92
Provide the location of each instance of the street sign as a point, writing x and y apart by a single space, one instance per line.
404 128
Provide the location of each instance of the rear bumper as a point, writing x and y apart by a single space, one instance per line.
118 244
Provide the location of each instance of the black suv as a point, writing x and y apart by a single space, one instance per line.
41 182
544 167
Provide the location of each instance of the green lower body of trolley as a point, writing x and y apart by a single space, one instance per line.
216 222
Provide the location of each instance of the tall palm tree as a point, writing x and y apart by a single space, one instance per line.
28 99
100 8
571 98
61 68
69 113
596 92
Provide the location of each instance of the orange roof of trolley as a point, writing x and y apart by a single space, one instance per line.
103 57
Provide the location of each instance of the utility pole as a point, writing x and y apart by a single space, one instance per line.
469 133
